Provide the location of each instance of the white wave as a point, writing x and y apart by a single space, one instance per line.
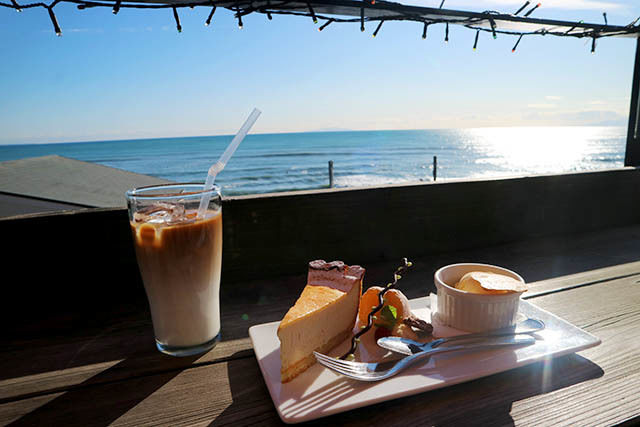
364 180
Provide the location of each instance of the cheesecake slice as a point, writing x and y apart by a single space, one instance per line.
323 316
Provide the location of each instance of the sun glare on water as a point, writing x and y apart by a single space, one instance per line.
538 149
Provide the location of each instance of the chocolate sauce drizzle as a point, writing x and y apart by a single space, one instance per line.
397 275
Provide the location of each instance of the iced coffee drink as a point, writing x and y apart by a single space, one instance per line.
179 254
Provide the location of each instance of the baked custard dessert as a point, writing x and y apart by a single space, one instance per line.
477 297
323 316
486 283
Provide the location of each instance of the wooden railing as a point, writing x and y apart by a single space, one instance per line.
277 234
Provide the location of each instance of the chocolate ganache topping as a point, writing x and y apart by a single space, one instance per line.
321 264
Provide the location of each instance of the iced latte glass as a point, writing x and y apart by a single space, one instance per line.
179 255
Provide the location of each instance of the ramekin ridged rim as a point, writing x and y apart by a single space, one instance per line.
466 294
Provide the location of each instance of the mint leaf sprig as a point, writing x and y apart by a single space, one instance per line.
388 317
397 275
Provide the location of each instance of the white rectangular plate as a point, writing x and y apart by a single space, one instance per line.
319 392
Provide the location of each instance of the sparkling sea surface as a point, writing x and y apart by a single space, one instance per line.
298 161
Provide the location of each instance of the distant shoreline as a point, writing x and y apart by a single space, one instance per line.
163 138
268 163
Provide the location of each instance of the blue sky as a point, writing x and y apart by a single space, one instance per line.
133 76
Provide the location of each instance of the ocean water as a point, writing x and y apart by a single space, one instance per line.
280 162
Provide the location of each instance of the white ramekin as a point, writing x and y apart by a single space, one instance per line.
474 312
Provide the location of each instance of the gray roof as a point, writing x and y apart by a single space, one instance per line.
61 179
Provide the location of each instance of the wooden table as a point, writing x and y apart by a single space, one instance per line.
107 371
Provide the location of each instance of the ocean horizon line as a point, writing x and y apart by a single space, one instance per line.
164 138
267 163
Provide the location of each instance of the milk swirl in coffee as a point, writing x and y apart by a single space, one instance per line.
179 256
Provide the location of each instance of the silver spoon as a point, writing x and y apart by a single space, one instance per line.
409 347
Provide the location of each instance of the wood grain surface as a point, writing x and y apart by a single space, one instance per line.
101 375
124 334
596 387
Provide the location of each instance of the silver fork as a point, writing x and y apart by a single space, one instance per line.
383 370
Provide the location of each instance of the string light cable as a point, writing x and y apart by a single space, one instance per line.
375 33
177 18
208 21
522 8
362 11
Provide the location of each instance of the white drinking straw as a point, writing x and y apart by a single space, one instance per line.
217 167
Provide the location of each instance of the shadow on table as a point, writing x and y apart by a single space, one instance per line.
484 401
111 398
74 340
250 400
252 404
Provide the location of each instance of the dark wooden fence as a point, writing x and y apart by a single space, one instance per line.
69 260
275 234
